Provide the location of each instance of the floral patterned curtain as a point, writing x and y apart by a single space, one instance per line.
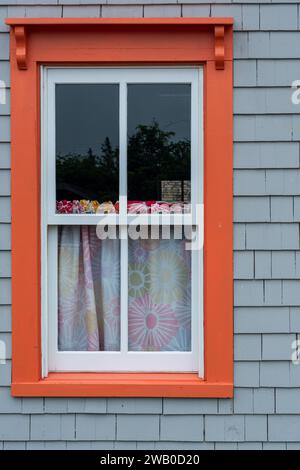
159 310
159 290
88 291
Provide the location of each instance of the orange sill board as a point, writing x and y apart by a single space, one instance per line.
49 44
123 385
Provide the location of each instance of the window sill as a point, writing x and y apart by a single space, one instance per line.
122 385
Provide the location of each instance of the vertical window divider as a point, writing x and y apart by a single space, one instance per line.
123 218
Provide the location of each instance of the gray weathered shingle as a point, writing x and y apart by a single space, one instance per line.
137 427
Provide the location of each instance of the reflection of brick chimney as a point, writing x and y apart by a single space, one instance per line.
171 191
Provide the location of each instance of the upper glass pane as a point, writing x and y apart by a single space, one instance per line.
159 148
87 148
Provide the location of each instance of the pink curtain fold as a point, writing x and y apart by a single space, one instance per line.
88 291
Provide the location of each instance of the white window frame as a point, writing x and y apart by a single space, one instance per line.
123 360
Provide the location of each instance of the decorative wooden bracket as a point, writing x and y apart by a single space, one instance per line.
21 47
219 47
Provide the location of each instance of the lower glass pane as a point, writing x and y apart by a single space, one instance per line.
159 305
88 290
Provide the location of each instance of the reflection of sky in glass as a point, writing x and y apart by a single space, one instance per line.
88 113
85 115
167 104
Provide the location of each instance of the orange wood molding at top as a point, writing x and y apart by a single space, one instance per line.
121 42
21 24
118 21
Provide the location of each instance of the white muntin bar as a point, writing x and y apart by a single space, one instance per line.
123 219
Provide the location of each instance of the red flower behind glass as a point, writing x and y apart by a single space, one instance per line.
64 207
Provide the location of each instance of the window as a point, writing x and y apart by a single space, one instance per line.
177 66
121 211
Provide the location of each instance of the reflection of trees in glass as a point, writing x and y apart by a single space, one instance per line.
89 176
153 158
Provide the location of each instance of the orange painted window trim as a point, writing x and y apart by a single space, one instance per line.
186 41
